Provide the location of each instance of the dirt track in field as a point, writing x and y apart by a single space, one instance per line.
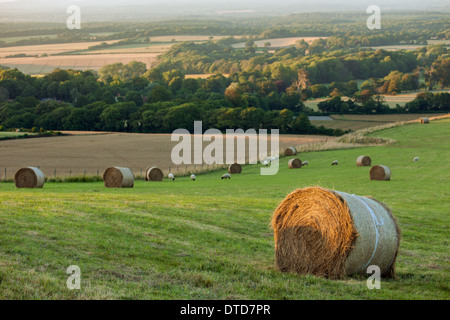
94 152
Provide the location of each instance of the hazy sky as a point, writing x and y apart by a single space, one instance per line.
101 10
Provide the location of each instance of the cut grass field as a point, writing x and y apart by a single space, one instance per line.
356 122
391 100
210 239
6 134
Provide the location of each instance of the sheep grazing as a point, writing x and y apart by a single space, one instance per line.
171 177
193 177
226 176
305 163
416 159
334 163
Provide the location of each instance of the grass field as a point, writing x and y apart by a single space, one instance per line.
391 100
210 239
357 122
6 134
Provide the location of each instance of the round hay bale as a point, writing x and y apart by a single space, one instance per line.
363 161
424 120
235 168
333 234
29 177
381 173
118 177
295 163
290 151
154 174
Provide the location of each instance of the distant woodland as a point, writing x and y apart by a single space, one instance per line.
250 87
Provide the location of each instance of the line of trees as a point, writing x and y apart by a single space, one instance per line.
268 93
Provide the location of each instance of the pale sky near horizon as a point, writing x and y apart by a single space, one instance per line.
406 4
102 10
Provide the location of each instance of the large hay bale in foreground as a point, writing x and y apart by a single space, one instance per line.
118 177
29 177
295 163
235 168
154 174
424 120
380 172
290 151
363 161
333 234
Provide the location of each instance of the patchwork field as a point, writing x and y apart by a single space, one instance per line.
210 239
77 55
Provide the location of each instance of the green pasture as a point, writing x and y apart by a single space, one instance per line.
211 239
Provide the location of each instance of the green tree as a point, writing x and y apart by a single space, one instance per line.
158 93
301 124
182 117
112 119
286 117
252 118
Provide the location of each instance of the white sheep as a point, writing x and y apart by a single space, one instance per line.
273 158
334 163
416 159
171 177
193 177
305 163
226 176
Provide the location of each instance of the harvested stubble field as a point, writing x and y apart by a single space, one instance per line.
43 65
48 49
210 239
279 42
91 153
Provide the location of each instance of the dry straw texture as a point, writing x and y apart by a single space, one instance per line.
363 161
333 234
235 168
118 177
295 163
380 172
154 174
290 151
29 177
